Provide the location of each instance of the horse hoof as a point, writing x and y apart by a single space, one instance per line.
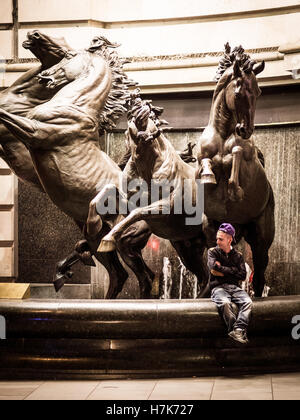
59 283
208 179
107 245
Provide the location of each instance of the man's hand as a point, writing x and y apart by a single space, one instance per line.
216 273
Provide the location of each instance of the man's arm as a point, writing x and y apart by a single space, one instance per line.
238 271
213 263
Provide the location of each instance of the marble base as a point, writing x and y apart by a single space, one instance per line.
14 291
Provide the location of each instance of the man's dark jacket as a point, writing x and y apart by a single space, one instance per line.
232 267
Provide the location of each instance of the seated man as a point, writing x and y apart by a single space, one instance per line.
227 269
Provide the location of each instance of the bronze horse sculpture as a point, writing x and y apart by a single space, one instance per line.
154 159
231 167
26 93
63 138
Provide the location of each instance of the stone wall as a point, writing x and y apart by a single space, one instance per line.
281 147
46 236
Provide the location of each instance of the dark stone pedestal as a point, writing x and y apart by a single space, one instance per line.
98 339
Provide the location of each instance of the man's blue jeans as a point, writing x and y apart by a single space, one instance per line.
223 296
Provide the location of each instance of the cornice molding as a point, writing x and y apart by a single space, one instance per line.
212 57
213 17
176 62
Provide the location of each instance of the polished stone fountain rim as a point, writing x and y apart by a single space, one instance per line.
86 339
139 318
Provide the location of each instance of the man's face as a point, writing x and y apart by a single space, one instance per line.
223 241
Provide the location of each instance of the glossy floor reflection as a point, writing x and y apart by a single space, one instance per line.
284 386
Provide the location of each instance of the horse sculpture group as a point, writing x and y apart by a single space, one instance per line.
51 119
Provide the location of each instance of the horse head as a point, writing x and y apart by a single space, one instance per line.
241 96
70 68
143 121
48 50
237 76
100 43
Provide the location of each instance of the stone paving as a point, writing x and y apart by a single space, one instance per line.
284 386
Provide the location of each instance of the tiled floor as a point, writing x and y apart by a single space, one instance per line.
266 387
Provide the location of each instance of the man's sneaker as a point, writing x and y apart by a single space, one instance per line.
239 336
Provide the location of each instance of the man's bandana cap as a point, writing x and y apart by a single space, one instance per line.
227 228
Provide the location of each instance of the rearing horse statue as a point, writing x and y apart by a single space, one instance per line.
63 138
231 122
231 167
155 161
27 93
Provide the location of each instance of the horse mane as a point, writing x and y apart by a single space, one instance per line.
230 57
119 96
142 110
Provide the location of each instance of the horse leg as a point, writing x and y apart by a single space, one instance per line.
117 274
191 254
94 222
154 211
26 130
82 253
129 246
235 192
94 231
209 148
260 235
115 198
207 175
63 270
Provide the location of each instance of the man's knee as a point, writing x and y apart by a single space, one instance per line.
220 299
246 305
